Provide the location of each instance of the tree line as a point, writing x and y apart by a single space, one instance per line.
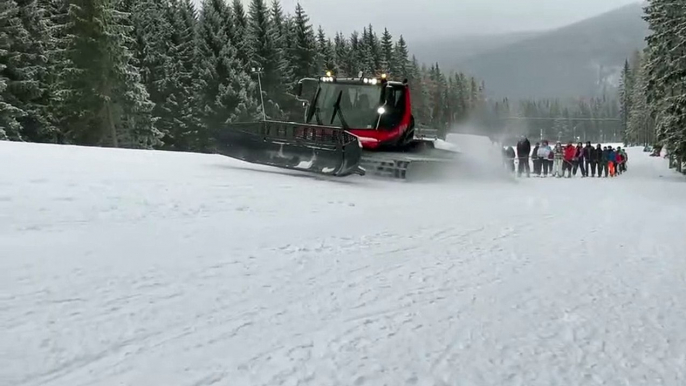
638 123
653 93
593 119
163 74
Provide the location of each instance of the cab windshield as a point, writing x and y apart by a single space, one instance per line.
359 104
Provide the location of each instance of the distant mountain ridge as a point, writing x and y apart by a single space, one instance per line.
450 52
581 59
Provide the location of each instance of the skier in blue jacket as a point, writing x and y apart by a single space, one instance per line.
612 162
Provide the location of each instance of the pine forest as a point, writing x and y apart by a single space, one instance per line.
162 74
653 92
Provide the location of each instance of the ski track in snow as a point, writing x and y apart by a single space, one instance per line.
155 268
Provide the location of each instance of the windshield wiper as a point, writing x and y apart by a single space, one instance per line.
315 109
319 118
337 110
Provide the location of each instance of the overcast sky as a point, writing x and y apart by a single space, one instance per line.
425 18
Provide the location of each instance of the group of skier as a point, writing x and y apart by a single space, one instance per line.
565 161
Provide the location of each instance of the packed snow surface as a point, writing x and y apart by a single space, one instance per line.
121 267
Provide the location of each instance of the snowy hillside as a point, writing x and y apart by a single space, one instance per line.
121 267
580 59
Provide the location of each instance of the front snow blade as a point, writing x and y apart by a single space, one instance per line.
317 149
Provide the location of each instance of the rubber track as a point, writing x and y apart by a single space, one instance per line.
387 168
395 167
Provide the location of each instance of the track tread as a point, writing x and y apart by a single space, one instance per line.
396 164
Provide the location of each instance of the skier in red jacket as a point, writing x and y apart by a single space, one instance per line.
567 162
619 162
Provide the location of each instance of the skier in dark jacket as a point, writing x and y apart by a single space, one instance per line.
578 162
622 165
588 156
536 160
523 151
605 156
509 158
612 161
597 156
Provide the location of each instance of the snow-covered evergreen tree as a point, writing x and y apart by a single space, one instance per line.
367 53
640 125
374 50
625 92
240 33
24 50
9 126
181 120
38 123
325 53
304 50
421 93
462 95
388 59
103 100
280 23
353 62
151 48
453 101
11 29
57 61
278 17
665 72
283 41
289 44
267 53
401 62
227 93
438 86
330 56
341 55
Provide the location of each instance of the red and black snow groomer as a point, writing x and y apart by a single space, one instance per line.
350 126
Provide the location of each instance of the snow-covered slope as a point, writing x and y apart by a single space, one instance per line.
122 267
